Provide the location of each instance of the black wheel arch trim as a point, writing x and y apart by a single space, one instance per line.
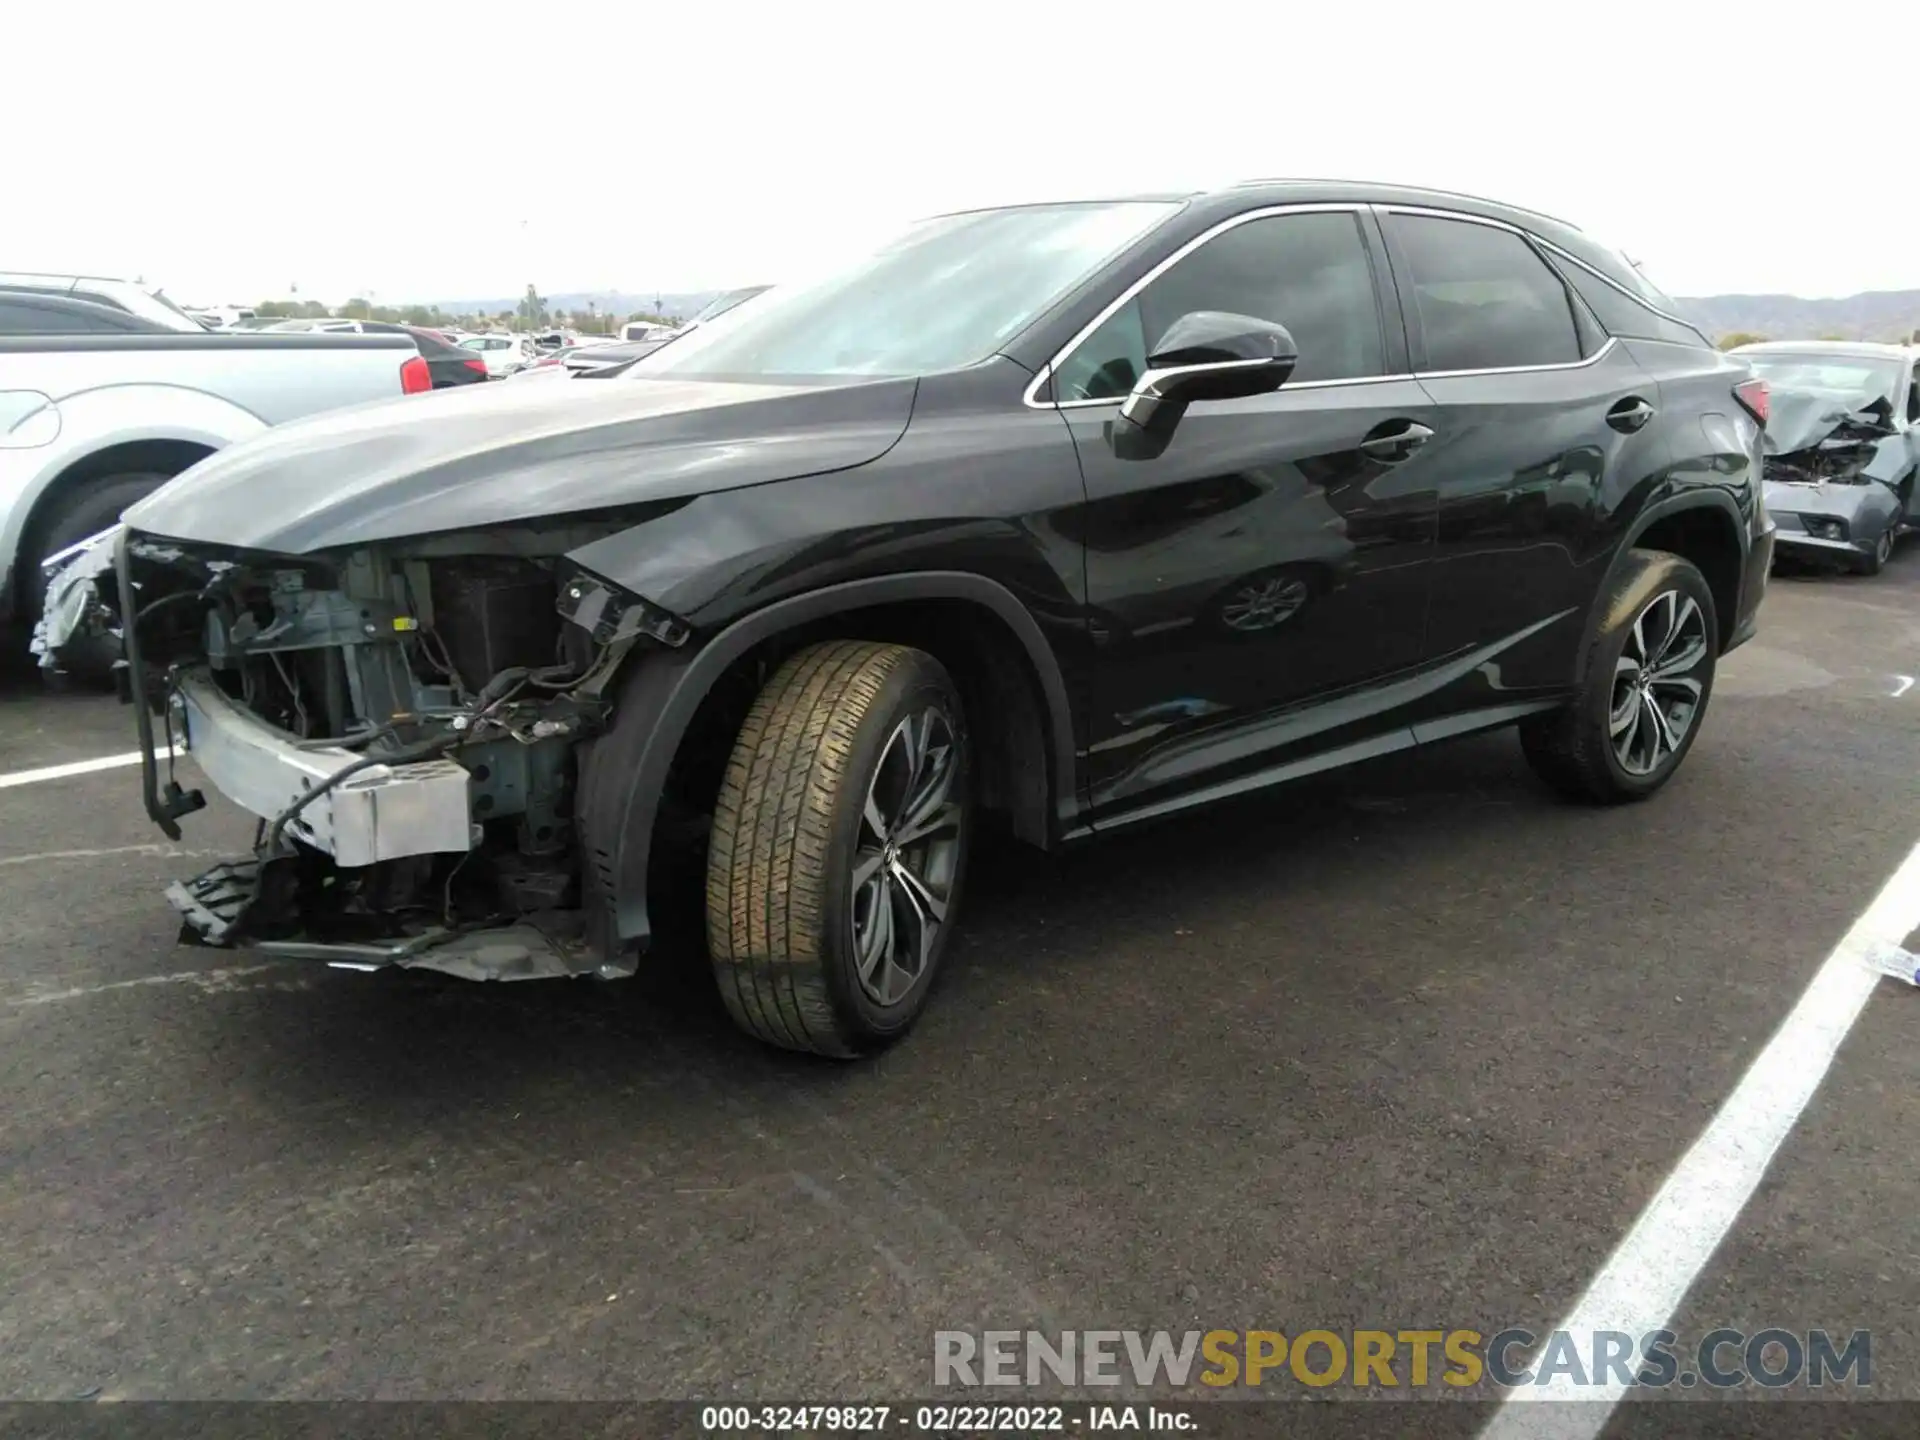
624 772
1651 515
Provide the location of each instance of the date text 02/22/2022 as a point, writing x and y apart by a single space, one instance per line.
942 1418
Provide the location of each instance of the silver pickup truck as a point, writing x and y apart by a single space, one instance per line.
91 423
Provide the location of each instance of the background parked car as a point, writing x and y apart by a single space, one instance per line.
645 330
577 360
92 427
35 312
607 357
322 325
446 362
503 355
1843 447
125 295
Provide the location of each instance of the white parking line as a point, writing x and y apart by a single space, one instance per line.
213 982
79 767
41 857
1642 1284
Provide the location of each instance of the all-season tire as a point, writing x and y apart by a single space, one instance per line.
841 824
1876 561
1656 645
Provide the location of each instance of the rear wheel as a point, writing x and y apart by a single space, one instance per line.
838 848
1647 677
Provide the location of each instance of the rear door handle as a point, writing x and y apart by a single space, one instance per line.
1394 441
1630 414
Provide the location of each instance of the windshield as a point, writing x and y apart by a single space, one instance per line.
948 293
1847 374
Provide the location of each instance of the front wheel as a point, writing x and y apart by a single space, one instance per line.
1647 677
1876 561
838 849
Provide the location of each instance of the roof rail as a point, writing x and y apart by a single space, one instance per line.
1411 189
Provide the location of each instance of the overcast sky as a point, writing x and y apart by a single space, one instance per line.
428 151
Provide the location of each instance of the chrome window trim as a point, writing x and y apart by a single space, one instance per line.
1613 284
1353 207
1433 190
1290 387
1347 207
1593 359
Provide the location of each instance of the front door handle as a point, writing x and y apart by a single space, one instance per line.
1395 441
1630 414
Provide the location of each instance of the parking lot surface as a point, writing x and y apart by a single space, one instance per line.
1412 1046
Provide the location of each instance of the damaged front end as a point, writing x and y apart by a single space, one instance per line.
1831 473
77 624
403 720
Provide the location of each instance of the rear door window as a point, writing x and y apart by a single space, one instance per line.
1482 298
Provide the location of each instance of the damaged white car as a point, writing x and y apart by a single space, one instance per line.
1843 448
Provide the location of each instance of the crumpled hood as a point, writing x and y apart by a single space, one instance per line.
495 454
1798 418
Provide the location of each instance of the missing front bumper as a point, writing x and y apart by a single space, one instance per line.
383 813
217 906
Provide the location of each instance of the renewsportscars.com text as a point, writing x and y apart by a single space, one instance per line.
1509 1359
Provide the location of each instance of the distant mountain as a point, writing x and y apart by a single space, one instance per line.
683 304
1875 315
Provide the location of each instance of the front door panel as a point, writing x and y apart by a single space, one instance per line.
1260 561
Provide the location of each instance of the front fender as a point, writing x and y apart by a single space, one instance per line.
624 773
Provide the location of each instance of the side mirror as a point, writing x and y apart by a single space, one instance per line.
1208 355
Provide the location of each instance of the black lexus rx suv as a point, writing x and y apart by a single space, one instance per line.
1080 513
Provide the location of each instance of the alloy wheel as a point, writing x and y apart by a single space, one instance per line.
1656 693
907 854
1264 604
1883 549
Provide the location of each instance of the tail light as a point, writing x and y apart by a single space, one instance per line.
415 377
1752 395
478 366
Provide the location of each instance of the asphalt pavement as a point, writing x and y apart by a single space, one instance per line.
1410 1046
